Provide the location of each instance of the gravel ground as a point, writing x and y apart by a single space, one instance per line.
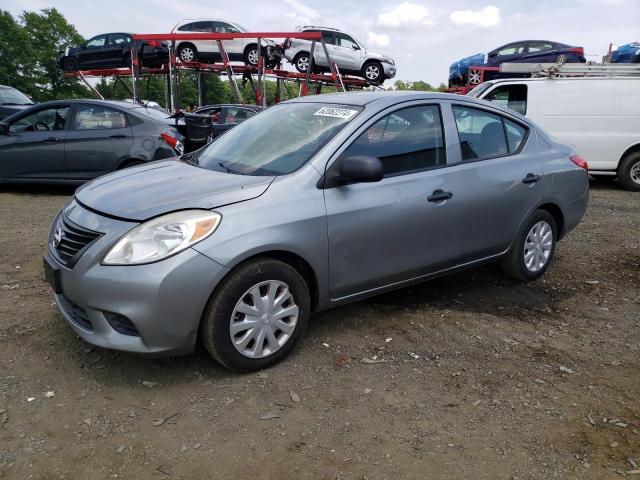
469 376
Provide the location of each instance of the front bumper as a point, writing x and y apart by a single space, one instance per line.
389 70
164 301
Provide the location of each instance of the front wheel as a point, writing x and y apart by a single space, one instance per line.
532 251
256 315
187 53
70 64
373 72
302 62
629 172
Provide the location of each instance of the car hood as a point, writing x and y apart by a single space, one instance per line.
378 56
143 192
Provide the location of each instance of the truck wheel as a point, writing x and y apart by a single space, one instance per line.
629 172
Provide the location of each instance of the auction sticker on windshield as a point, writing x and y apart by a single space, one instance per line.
336 112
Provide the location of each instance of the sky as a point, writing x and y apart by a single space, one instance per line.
423 37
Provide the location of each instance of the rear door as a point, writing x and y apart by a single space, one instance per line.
496 184
543 52
330 40
34 147
118 47
98 140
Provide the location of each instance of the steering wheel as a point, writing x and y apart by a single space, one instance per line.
35 126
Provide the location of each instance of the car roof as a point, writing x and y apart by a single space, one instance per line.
92 101
316 27
191 20
383 99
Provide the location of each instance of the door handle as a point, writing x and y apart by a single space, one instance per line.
531 178
439 196
51 139
118 136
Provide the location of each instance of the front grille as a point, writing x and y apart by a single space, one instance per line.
121 324
69 241
77 314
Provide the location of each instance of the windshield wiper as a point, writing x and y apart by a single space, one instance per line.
230 170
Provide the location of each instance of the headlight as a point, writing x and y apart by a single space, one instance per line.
162 237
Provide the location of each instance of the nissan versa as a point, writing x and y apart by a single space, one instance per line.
313 203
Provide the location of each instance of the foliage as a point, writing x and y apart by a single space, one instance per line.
418 86
28 51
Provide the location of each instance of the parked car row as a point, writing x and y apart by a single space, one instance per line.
311 204
113 50
527 51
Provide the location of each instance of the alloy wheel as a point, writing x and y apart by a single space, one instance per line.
474 76
187 54
372 72
303 63
537 246
264 319
252 57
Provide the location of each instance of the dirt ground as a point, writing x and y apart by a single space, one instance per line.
481 377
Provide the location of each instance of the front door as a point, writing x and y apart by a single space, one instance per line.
385 232
34 146
93 53
99 139
509 53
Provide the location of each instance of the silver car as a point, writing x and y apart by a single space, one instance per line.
350 55
238 243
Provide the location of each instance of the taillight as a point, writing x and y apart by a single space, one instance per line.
287 43
173 142
579 161
577 50
153 43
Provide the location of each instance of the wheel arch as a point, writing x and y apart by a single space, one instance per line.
558 216
292 259
631 149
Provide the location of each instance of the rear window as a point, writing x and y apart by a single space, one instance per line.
151 112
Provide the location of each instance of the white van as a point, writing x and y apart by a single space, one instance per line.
599 116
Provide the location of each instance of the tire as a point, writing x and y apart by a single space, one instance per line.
187 52
629 172
257 276
251 55
70 64
300 60
372 72
514 263
130 163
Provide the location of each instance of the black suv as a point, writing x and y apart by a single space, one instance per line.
112 50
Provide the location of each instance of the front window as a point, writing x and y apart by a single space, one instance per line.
97 42
278 141
11 96
511 50
479 90
237 115
41 121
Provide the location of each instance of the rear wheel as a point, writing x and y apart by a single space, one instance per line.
70 64
532 251
251 56
629 172
256 315
187 53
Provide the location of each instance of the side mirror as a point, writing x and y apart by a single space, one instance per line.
4 128
355 47
361 169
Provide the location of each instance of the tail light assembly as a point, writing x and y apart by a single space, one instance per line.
577 50
580 162
287 43
173 142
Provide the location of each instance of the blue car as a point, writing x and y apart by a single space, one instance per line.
535 51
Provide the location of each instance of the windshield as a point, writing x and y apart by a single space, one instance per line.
479 90
278 140
11 96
